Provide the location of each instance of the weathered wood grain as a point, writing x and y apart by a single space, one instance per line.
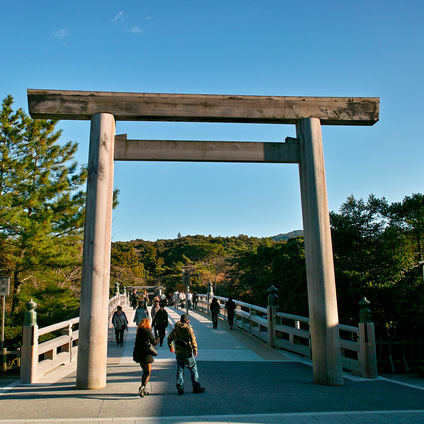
205 151
60 104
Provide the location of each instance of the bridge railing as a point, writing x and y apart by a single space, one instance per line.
291 333
40 357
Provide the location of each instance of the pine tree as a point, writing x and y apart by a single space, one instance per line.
41 198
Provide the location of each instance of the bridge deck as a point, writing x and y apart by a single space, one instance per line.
245 382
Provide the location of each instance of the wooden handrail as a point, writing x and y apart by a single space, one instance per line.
254 325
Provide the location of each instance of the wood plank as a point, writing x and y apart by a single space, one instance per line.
205 151
63 104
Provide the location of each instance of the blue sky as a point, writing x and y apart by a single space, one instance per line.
281 48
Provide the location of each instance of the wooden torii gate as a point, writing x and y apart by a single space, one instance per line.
307 113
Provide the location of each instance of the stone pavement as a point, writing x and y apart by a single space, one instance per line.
245 380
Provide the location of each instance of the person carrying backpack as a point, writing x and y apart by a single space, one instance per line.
182 341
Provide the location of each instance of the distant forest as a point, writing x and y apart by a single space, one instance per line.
377 253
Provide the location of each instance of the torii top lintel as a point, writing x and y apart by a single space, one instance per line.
64 104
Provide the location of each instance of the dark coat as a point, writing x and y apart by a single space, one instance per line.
215 308
143 339
161 319
230 306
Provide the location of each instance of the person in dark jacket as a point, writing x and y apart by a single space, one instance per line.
215 308
133 299
230 306
195 300
120 323
153 311
160 322
142 354
182 341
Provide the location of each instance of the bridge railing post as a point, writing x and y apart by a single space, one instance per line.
271 311
252 312
367 346
68 332
29 352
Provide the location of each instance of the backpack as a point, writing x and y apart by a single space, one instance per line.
120 321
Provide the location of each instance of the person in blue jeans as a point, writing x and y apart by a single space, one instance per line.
182 341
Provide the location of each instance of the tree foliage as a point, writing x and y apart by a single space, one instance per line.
375 255
376 249
41 199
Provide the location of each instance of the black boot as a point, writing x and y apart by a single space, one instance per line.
198 389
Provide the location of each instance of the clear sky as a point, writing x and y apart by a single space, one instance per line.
270 47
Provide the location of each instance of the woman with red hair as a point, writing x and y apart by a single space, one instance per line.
143 354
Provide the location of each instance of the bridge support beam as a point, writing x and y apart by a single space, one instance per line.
92 347
324 321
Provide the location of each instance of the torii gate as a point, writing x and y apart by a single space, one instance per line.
307 113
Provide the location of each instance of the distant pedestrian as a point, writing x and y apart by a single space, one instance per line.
230 306
195 300
175 298
182 341
215 309
160 322
140 312
120 323
133 299
143 353
153 311
181 299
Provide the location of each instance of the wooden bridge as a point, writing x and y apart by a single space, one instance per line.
246 381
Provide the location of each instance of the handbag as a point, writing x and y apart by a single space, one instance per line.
151 350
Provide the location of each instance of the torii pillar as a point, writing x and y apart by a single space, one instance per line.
322 299
93 325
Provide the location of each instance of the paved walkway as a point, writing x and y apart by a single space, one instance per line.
245 380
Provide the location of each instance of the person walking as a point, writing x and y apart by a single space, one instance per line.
153 311
181 299
133 299
175 298
160 322
215 308
143 353
140 312
230 306
182 341
195 299
120 323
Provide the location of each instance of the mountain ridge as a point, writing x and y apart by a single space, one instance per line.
286 236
